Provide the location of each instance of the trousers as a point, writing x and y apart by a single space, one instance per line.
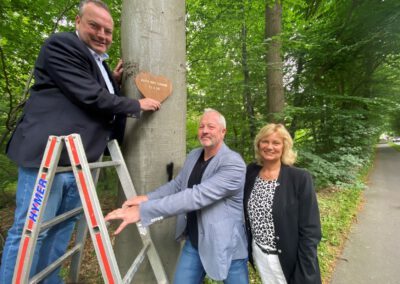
191 270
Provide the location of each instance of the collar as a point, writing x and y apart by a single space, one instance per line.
97 56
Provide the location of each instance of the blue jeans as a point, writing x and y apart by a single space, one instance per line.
51 243
191 270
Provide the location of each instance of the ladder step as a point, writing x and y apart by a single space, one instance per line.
135 265
60 218
45 272
95 165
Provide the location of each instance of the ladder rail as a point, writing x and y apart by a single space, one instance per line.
129 190
81 236
135 265
40 195
93 213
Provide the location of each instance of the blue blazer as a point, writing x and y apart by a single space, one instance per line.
219 201
69 96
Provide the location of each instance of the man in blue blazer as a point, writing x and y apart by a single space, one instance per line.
207 196
74 92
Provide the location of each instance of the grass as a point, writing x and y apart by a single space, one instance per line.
394 146
338 208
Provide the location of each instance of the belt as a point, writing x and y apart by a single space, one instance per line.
267 251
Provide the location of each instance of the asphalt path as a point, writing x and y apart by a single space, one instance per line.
372 252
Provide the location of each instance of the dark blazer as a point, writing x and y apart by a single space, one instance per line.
296 220
69 96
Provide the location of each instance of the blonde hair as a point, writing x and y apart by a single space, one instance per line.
288 155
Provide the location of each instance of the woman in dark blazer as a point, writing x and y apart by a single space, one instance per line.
281 210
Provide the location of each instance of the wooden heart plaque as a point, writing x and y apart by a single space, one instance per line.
155 87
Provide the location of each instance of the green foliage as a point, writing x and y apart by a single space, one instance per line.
394 146
192 123
324 172
215 42
8 177
337 78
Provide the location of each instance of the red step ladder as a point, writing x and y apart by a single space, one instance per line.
93 221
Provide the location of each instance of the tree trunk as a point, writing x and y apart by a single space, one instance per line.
247 98
275 92
153 40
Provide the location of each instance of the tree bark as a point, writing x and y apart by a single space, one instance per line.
274 80
247 97
153 40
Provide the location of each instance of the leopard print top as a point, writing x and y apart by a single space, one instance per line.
260 212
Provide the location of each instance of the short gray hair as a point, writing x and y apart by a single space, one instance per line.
222 120
98 3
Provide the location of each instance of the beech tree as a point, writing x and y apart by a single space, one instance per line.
153 40
274 78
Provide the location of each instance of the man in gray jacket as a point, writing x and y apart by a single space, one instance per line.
207 197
